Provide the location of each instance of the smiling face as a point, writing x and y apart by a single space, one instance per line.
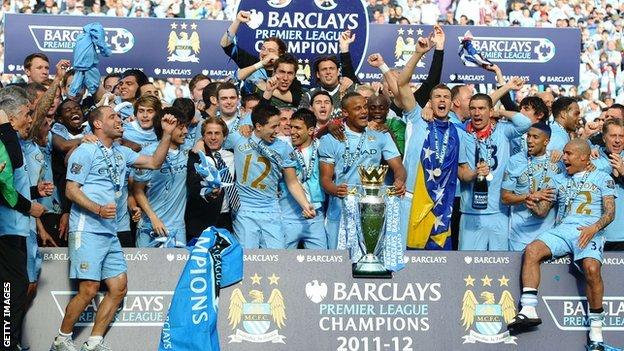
227 102
356 113
285 115
378 108
128 88
213 136
108 123
270 130
179 134
71 115
614 138
299 133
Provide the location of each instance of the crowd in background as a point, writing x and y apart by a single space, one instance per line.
601 24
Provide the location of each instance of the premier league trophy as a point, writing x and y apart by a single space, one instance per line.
372 214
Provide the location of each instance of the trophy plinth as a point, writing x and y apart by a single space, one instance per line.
372 215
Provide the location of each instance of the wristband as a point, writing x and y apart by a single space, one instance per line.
258 65
384 68
99 212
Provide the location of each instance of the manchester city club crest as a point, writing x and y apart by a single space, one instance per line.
406 46
257 317
484 317
183 46
304 71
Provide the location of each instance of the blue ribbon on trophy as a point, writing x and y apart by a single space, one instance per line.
212 177
370 227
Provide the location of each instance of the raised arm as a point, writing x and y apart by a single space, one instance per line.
241 17
47 100
169 123
435 71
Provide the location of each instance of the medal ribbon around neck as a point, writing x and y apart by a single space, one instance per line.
113 169
571 194
308 169
350 157
440 151
532 176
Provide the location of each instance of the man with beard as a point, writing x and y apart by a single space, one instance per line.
95 176
525 180
610 162
298 229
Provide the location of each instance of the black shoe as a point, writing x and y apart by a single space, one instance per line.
595 346
522 322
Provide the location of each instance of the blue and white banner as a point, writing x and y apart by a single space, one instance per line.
183 48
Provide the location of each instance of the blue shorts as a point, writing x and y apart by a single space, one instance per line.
563 240
145 237
311 232
516 245
34 259
256 229
331 228
95 256
484 232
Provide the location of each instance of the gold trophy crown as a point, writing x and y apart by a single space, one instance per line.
373 175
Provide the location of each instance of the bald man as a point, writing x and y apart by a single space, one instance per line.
586 205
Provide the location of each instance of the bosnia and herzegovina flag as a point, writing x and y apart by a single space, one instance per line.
430 216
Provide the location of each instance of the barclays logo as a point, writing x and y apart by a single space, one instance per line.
63 38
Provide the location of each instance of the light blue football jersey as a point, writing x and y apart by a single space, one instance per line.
166 187
522 174
88 167
586 192
615 230
496 150
259 168
375 146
